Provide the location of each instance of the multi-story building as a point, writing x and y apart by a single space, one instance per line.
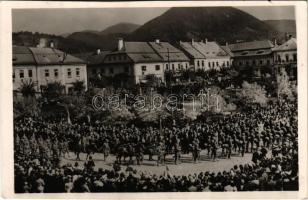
255 56
174 59
42 65
137 60
206 55
285 56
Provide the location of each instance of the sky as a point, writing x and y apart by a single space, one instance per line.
63 21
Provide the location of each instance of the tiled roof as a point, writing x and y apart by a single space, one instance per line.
137 47
50 56
42 56
288 45
261 52
187 46
210 49
144 57
227 50
168 52
139 52
263 44
22 55
96 59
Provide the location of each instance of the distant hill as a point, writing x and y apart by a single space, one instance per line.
26 38
123 28
215 23
222 24
285 26
104 42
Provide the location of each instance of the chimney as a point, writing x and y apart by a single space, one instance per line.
98 51
205 40
42 43
192 41
120 44
227 44
275 42
52 45
157 41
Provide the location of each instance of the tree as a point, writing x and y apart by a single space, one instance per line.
53 90
27 89
252 94
78 87
284 87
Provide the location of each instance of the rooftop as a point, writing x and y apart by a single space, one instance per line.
42 56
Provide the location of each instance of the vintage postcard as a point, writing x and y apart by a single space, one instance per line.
154 100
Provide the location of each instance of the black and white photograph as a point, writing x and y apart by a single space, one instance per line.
155 99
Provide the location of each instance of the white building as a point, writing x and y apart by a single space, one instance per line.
42 65
137 60
285 55
206 55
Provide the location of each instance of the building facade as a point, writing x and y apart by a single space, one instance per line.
42 65
206 55
136 60
255 56
285 56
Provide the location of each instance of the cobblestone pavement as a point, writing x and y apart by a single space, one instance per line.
187 166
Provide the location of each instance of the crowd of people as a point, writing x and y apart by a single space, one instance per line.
269 133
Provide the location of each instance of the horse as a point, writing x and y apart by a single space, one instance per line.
124 151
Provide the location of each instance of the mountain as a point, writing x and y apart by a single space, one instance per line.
69 45
214 23
123 28
104 42
285 26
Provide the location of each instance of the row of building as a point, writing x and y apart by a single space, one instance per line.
140 60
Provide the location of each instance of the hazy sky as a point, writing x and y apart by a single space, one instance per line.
60 21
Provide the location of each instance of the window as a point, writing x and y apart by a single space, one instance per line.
240 63
247 63
172 66
253 62
144 68
213 64
110 70
209 65
261 62
126 69
13 75
157 67
77 72
167 67
46 72
56 72
30 73
186 65
179 66
287 57
228 63
217 64
268 62
21 74
279 58
202 63
69 73
198 63
294 57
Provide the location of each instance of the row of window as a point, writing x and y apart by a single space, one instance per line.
180 66
287 58
110 70
254 62
212 64
47 73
